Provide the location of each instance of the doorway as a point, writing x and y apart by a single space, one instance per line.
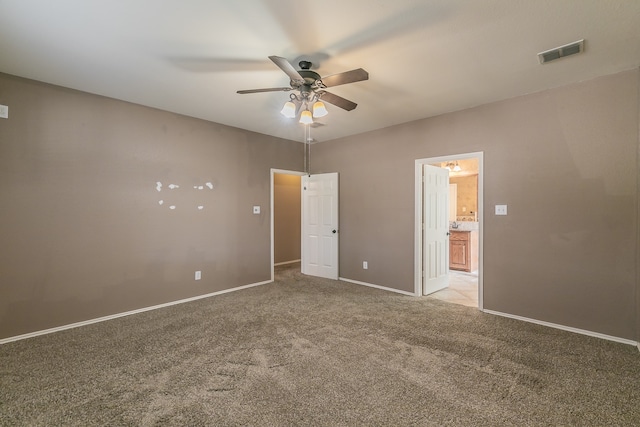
466 222
309 231
286 214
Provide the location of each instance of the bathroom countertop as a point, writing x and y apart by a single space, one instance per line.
464 226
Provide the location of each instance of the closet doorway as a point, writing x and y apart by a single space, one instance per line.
286 208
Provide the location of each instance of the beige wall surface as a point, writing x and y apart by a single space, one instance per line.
83 230
286 217
467 194
638 221
564 161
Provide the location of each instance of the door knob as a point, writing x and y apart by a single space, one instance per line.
334 231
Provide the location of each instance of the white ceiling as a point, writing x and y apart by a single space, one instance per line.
424 57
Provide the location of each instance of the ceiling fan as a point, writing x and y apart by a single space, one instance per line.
311 88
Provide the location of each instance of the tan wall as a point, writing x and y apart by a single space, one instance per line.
82 232
467 194
286 217
638 221
565 161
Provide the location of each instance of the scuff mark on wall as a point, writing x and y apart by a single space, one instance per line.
198 187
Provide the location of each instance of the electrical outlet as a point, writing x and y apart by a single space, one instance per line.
501 209
365 265
198 275
4 111
256 210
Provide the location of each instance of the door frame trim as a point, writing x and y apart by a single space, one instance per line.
271 211
419 219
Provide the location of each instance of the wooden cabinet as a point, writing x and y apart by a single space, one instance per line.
463 250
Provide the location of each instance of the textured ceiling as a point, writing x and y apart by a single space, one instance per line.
424 57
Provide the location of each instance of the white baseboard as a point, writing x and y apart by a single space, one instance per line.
128 313
286 262
384 288
566 328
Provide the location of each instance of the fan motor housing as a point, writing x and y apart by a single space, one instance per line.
310 78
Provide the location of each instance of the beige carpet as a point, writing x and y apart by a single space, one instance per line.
305 351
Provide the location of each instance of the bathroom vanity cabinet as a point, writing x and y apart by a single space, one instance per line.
463 250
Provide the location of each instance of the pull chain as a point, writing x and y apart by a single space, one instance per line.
308 141
304 166
307 149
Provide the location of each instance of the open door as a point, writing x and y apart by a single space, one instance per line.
320 225
435 229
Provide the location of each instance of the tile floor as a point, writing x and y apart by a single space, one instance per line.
463 289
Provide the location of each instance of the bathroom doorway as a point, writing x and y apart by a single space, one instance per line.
465 229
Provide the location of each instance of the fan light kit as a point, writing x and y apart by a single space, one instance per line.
310 88
453 167
306 117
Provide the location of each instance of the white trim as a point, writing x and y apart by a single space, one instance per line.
127 313
565 328
271 189
287 262
418 218
384 288
417 262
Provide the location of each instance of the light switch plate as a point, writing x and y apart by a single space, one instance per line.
4 112
256 210
501 209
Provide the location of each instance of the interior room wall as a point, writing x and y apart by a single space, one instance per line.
286 218
467 194
638 222
565 161
86 219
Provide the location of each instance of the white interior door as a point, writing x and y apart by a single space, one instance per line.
436 229
320 225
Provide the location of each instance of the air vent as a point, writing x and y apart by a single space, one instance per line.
561 52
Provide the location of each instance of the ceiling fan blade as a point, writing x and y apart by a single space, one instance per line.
285 66
338 101
346 77
270 89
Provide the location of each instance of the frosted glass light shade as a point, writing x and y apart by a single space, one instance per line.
305 117
289 110
319 110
